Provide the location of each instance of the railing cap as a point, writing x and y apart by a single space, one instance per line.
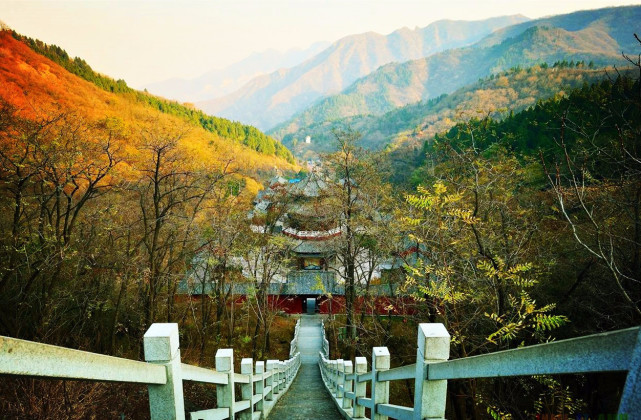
433 341
271 364
247 366
225 360
161 342
381 358
260 367
361 364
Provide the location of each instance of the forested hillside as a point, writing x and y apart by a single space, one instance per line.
408 126
570 123
106 197
580 153
531 231
243 134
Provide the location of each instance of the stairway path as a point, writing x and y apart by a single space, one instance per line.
307 397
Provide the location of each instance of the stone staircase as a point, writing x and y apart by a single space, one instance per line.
307 397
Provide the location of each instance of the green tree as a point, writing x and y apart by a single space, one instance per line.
478 231
360 200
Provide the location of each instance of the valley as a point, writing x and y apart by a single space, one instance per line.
438 222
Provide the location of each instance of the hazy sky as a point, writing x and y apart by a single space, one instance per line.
144 41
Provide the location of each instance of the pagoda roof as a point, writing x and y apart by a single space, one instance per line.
314 235
311 186
315 247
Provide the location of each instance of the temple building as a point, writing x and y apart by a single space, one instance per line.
303 212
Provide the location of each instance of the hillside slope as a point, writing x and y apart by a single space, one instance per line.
241 133
583 36
40 89
618 22
270 99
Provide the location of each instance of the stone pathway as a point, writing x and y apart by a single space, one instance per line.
307 397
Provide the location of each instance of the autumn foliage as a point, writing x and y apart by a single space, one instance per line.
104 203
38 87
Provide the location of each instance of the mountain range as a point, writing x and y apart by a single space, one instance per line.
270 99
411 125
397 89
597 36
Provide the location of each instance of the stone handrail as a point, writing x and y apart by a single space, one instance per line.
293 345
261 384
325 343
348 382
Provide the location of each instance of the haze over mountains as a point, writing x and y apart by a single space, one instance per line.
222 81
270 99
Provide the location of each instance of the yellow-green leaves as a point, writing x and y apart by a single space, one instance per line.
428 200
519 274
524 315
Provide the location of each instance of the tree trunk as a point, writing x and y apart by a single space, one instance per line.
114 322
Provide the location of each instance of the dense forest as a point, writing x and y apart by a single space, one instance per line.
531 231
526 229
104 202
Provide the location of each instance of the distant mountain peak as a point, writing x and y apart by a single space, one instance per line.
274 98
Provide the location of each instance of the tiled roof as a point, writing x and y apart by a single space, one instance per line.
299 283
315 247
311 186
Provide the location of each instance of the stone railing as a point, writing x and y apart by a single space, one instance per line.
325 343
348 382
261 384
